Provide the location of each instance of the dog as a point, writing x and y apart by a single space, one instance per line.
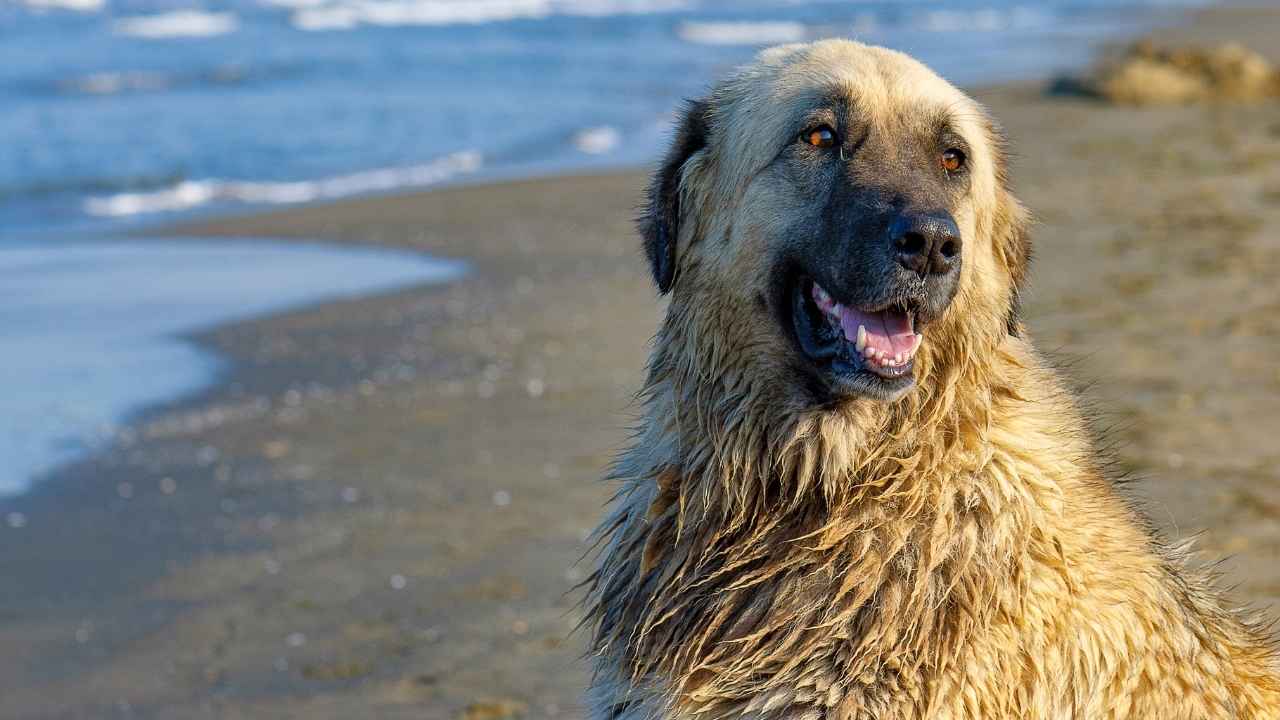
856 490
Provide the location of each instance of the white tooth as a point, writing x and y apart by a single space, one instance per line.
869 353
897 359
880 355
862 338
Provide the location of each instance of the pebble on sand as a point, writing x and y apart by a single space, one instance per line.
501 709
275 449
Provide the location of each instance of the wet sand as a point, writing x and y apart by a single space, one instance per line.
379 512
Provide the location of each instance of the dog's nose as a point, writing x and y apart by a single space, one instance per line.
926 243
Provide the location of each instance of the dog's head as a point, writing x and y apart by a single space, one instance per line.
838 214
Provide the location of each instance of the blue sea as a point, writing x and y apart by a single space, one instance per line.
123 113
127 110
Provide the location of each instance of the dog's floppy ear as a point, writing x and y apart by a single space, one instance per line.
1012 236
1010 230
659 220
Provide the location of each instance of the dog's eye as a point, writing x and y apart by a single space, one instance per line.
953 159
820 137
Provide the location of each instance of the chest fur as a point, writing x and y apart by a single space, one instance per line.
850 617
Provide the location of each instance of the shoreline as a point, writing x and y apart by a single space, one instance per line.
393 532
75 317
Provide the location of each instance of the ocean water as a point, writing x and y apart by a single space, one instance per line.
126 111
91 331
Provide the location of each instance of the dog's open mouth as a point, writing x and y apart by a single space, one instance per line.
878 344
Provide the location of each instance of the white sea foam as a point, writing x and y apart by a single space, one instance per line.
294 4
415 12
345 14
85 6
177 24
190 194
597 140
142 81
982 20
606 8
741 33
110 83
326 18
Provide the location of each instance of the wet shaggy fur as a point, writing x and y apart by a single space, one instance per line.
773 552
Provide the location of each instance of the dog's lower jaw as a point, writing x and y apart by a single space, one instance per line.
849 362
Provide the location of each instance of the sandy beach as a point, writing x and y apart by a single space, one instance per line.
380 510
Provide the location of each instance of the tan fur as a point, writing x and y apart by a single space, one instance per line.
955 554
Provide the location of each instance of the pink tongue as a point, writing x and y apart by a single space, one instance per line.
888 331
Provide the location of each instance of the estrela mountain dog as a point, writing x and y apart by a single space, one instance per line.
857 491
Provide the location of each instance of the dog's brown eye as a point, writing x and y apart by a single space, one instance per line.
820 137
952 160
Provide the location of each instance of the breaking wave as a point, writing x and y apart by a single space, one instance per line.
597 140
84 6
190 194
741 33
315 15
177 24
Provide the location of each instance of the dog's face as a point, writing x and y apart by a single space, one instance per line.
841 212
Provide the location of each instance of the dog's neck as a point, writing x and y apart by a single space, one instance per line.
856 523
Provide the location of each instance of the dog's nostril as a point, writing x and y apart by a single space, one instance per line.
926 243
911 243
